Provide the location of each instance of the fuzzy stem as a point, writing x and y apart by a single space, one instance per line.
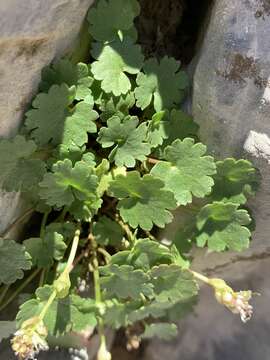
200 277
42 277
19 289
67 269
82 255
43 224
127 230
62 215
98 296
106 255
73 250
3 293
47 305
151 237
152 160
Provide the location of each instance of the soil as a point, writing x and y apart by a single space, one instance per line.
171 27
120 351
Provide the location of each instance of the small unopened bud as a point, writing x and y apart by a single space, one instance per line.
125 243
103 353
62 285
133 343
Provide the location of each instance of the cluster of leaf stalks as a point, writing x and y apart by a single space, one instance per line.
106 155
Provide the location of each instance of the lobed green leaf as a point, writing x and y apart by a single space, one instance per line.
127 139
223 225
187 170
161 82
13 260
143 201
64 315
111 18
114 62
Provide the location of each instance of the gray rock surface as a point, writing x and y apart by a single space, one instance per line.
213 333
231 85
32 34
231 100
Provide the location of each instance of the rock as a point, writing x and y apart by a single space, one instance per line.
32 34
231 86
213 333
231 101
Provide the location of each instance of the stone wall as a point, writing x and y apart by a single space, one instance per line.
231 102
32 34
231 99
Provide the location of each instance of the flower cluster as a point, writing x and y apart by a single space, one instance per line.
236 302
30 339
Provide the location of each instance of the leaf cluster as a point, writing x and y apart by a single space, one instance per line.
106 146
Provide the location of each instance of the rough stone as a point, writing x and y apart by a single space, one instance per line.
213 333
231 81
32 34
231 101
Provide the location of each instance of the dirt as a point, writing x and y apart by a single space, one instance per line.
157 25
171 27
126 346
263 9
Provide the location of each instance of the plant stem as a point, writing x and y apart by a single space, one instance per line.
200 277
19 289
97 287
3 293
82 255
127 230
47 305
43 224
98 299
67 270
152 160
151 237
62 215
73 250
16 222
105 253
42 277
42 235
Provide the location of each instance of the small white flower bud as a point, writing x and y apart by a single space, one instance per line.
103 353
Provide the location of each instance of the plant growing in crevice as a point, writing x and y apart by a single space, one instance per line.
106 156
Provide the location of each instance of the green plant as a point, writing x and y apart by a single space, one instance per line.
106 155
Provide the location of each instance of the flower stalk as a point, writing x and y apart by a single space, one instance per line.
30 339
236 302
103 353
